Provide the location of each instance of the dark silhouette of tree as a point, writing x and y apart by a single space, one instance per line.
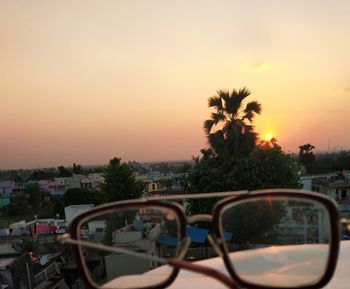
306 157
120 183
237 135
262 169
36 195
77 169
76 196
234 161
63 172
258 226
268 144
42 175
58 209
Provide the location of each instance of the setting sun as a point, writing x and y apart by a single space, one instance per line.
268 136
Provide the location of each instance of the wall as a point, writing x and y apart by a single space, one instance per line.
72 211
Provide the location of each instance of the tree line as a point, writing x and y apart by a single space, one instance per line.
322 163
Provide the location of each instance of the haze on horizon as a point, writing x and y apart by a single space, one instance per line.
85 81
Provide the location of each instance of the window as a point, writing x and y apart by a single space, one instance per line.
343 194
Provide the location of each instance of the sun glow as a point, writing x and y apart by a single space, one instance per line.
268 136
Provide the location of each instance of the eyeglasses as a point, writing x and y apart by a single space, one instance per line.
267 239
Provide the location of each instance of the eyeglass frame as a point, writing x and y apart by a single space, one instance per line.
232 281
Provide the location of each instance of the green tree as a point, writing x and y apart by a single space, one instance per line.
306 157
76 196
167 183
30 244
35 194
331 161
58 209
257 226
42 175
120 183
261 169
17 207
237 135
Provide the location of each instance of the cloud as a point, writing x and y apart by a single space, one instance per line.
343 87
258 65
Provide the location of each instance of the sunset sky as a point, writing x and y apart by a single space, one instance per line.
84 81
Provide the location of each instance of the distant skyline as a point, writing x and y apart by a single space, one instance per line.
85 81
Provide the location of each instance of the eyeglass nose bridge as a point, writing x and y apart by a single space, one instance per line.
199 218
214 241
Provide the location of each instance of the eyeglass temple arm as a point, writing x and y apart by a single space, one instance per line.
219 276
66 239
175 262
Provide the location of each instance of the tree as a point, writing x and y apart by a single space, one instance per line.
331 161
42 175
263 168
120 183
30 244
35 194
237 135
58 209
306 157
257 226
17 207
63 172
76 196
77 169
167 183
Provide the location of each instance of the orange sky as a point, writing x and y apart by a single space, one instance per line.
86 81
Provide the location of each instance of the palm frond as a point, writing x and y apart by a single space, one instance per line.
244 92
217 117
225 95
237 135
248 115
208 124
215 101
253 106
235 100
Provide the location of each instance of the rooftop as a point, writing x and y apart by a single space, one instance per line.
4 262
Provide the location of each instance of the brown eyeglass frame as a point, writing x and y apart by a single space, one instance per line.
74 233
328 203
235 281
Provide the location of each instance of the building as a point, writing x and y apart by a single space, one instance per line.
8 188
15 271
336 187
4 201
26 271
303 224
74 210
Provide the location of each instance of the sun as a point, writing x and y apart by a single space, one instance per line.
268 136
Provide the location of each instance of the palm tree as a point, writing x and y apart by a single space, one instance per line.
306 157
237 135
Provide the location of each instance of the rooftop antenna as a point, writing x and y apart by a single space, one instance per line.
329 144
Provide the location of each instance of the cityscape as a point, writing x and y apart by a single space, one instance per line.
28 235
140 137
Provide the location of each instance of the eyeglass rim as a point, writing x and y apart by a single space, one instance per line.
329 204
77 250
219 206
